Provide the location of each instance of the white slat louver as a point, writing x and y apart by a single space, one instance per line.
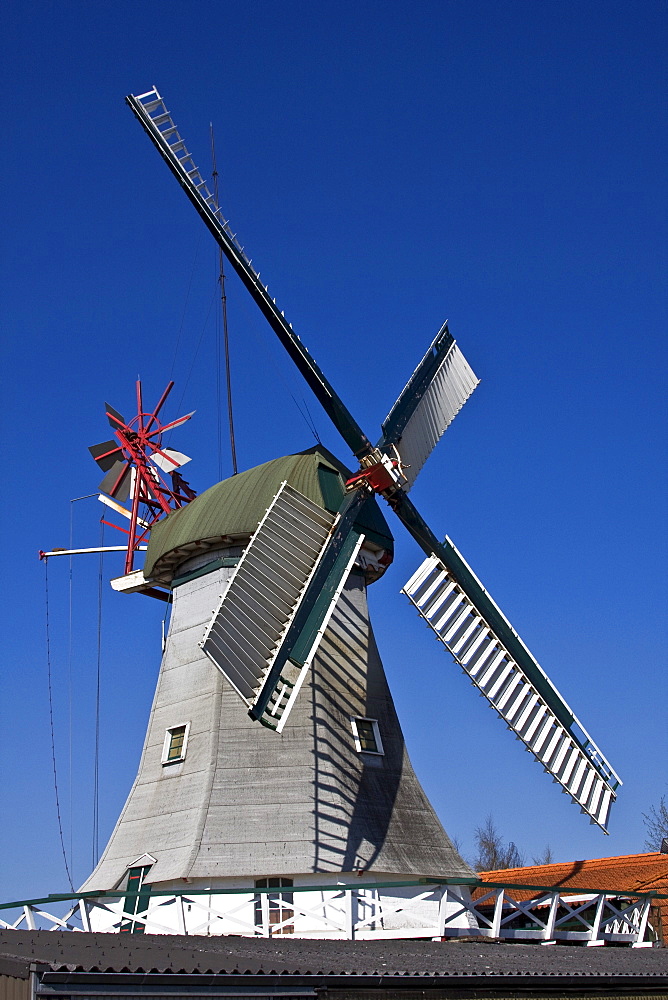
432 398
264 592
451 387
573 760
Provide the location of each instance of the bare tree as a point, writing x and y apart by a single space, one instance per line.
545 858
491 850
656 824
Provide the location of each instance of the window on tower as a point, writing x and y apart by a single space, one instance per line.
174 747
366 735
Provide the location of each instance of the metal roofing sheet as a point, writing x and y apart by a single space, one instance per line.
310 958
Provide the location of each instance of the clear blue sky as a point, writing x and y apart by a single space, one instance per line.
387 165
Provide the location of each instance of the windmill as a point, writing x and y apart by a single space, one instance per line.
300 771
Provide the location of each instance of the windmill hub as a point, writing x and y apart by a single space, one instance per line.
379 474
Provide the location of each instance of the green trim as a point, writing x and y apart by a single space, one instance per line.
224 562
474 883
570 890
136 900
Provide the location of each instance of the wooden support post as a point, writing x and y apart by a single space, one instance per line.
548 933
83 913
642 927
351 913
180 913
498 913
598 918
264 903
442 912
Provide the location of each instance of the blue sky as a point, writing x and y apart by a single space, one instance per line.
387 166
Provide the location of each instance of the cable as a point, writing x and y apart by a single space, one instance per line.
69 675
226 338
192 364
307 419
278 370
313 427
53 738
219 393
185 306
96 756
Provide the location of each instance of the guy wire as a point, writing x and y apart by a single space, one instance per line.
96 758
53 738
226 339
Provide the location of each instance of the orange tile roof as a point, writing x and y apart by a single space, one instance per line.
627 873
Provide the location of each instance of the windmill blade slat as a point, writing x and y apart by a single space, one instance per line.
430 420
274 570
523 697
434 395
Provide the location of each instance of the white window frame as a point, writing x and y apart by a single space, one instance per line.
354 719
164 760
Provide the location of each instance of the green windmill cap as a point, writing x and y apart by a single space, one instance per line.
233 508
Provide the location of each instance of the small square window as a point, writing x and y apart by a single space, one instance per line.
174 747
367 735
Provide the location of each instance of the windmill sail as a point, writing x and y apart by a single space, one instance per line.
432 398
246 636
479 637
477 633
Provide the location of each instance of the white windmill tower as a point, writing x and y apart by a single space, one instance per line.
274 768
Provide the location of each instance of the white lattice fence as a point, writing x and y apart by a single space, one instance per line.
362 912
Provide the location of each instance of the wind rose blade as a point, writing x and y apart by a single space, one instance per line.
167 459
118 481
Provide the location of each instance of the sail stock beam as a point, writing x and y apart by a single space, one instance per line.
152 113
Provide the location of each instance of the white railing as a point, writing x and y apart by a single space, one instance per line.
362 912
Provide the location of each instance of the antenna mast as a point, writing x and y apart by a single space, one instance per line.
223 301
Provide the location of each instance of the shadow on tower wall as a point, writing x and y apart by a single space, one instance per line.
355 793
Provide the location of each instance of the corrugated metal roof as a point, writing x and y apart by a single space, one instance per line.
234 507
311 959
